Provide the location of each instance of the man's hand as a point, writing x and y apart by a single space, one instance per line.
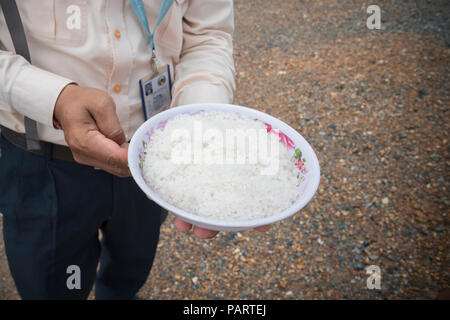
202 233
92 129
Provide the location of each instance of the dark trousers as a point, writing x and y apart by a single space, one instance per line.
52 213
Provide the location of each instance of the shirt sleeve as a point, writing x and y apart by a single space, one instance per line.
27 89
205 72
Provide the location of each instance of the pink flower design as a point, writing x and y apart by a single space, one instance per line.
162 124
287 141
284 139
196 112
149 134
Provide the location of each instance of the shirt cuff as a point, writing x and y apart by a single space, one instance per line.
202 93
34 93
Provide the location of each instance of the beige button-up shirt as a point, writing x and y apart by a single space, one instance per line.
101 44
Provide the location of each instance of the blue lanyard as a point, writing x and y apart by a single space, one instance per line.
138 7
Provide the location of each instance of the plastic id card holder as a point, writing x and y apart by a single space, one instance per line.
156 94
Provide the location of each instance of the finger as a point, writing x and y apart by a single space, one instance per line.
181 225
107 121
263 228
203 233
106 154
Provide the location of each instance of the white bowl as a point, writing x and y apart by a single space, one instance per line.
310 169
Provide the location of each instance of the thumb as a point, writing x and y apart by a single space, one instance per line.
108 123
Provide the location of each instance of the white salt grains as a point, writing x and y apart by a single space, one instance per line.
197 164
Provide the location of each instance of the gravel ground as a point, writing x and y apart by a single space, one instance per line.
374 105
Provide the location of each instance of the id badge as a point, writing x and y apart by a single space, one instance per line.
156 91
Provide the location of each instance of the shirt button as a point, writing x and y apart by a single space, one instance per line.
117 88
117 34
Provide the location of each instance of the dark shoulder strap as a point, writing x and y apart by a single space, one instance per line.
19 40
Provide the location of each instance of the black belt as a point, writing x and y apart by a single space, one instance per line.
18 139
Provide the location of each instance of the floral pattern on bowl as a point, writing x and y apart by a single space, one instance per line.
285 140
